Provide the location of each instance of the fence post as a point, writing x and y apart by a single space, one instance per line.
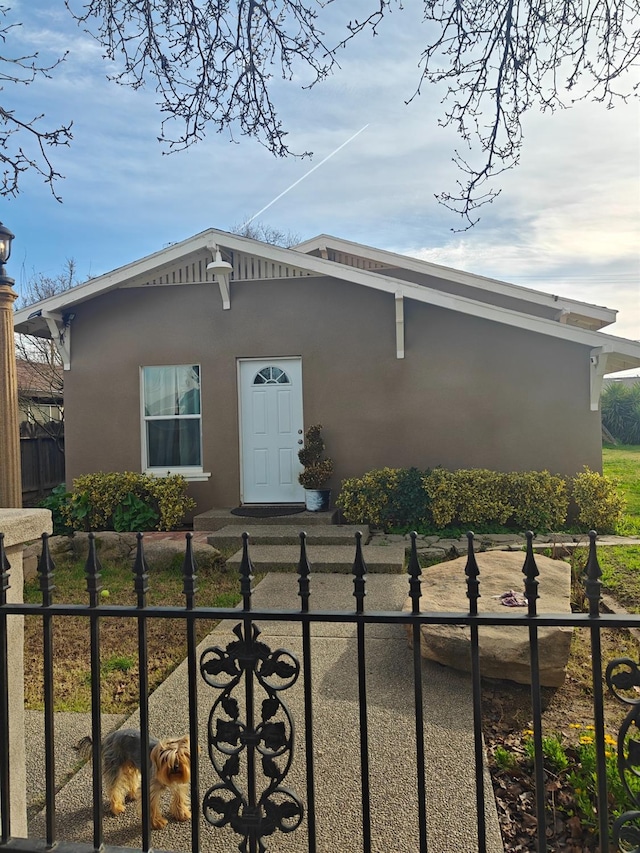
19 526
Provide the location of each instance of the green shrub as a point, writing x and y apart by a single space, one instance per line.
55 502
132 513
126 502
482 497
400 498
620 406
441 488
600 507
466 497
365 499
540 500
390 498
408 503
317 469
171 501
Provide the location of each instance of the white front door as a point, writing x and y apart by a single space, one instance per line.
271 430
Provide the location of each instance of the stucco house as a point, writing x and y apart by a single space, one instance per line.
212 356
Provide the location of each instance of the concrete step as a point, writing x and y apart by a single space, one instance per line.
215 519
287 534
323 558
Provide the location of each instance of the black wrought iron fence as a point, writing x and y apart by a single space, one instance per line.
251 732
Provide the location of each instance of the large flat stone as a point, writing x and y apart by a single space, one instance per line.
504 650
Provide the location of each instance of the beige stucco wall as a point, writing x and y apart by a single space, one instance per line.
19 526
469 393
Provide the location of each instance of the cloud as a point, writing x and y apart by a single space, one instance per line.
567 219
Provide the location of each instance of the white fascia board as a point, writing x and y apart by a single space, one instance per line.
114 279
503 288
463 304
629 351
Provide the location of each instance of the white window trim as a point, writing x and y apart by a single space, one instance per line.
191 473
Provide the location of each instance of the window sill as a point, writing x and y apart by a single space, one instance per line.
192 475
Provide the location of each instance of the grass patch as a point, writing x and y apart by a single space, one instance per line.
622 461
119 668
620 566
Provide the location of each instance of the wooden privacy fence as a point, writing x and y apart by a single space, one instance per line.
42 458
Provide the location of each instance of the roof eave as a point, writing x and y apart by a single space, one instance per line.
601 314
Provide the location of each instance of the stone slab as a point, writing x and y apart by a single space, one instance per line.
504 650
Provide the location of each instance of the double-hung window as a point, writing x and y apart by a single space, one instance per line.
172 426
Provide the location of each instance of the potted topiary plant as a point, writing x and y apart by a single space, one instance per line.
317 470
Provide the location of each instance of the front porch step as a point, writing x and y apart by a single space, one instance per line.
323 558
287 534
215 519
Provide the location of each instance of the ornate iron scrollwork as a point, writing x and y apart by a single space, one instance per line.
623 679
233 733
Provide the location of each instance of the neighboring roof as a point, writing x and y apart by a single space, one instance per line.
31 381
186 263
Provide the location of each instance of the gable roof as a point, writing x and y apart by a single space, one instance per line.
186 263
575 313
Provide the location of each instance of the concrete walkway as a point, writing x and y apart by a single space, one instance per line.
451 818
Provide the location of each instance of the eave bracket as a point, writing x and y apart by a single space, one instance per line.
399 325
598 358
60 331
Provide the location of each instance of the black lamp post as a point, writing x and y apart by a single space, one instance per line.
10 475
6 238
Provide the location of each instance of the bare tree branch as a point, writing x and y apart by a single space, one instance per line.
24 143
40 369
258 230
216 64
213 63
501 59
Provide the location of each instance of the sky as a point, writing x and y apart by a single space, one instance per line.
567 220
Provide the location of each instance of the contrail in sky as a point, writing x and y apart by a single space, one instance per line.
306 175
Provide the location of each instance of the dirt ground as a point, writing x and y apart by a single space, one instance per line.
566 710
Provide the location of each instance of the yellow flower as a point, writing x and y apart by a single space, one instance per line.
586 739
575 726
590 728
528 732
610 740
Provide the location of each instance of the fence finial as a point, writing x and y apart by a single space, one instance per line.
46 568
5 567
189 572
246 573
141 572
359 571
304 570
530 572
93 572
592 575
472 572
415 571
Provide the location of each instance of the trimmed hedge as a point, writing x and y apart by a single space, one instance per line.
395 498
126 502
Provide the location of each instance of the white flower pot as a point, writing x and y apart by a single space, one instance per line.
317 500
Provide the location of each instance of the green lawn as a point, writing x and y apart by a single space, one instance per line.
620 566
622 461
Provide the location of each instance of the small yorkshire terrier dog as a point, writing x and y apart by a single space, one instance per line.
169 763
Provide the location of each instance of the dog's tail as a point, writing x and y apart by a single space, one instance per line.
85 748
